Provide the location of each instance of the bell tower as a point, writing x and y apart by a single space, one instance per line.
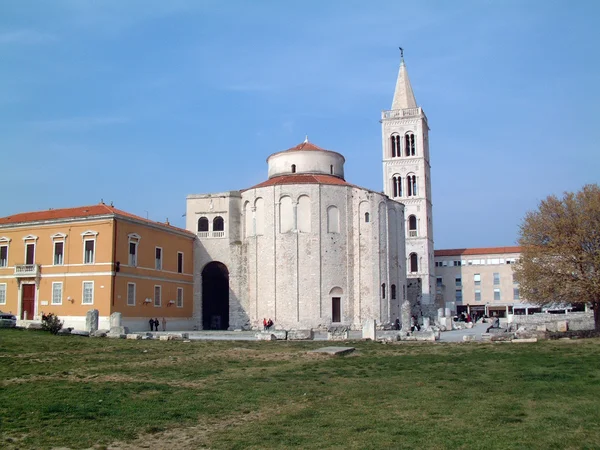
406 179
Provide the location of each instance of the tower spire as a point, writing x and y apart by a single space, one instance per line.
403 95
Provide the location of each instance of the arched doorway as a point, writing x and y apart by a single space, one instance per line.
215 296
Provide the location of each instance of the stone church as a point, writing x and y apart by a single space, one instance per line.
310 250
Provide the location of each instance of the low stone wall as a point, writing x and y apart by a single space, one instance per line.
575 320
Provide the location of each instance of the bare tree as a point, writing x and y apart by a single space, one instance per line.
560 251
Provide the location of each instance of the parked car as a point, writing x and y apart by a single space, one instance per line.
7 320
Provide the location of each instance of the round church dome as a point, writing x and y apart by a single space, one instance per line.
306 158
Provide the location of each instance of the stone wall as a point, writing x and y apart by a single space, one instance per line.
575 320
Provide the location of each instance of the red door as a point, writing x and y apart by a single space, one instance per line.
27 301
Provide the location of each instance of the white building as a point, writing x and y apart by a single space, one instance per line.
406 178
304 248
309 250
480 280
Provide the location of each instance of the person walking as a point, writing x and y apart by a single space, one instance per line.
151 322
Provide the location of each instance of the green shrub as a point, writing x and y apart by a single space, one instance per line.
51 323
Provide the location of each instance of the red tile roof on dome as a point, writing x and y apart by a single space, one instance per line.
305 145
477 251
302 179
79 212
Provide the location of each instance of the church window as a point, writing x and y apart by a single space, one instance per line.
396 152
393 292
383 290
218 224
259 218
367 218
412 226
202 225
411 185
409 144
414 262
293 168
248 220
286 214
397 186
303 211
333 220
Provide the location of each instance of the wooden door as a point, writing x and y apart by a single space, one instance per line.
336 310
27 301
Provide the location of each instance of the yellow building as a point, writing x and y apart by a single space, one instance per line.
68 261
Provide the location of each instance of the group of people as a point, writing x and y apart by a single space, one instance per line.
267 324
154 324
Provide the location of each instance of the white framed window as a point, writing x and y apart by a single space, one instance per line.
496 294
89 246
458 281
89 251
496 278
477 279
134 241
477 295
516 293
2 293
158 258
130 294
179 262
4 255
458 295
59 250
157 295
87 297
57 290
180 297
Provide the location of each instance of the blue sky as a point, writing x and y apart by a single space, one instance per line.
144 102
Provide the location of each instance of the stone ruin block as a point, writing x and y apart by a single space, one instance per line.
91 320
134 336
369 330
468 338
80 333
388 335
562 326
281 335
266 336
300 335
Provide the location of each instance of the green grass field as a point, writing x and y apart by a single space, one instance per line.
63 391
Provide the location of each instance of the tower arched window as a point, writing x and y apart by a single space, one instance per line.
409 144
414 262
218 224
331 169
411 185
395 143
412 226
397 186
393 292
383 290
293 168
202 224
367 217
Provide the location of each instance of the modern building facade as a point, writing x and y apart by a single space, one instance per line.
480 280
68 261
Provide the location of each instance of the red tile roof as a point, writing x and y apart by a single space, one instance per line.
301 179
79 212
477 251
306 146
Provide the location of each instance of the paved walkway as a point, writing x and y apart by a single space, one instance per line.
457 335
